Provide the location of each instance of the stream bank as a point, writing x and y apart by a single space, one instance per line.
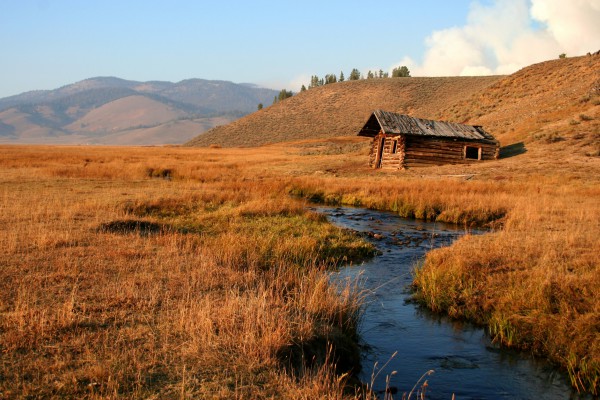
465 361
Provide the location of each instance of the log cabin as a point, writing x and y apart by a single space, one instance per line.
401 141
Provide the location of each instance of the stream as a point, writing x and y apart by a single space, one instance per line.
465 361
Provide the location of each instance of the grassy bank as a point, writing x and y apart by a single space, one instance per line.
531 281
533 284
444 201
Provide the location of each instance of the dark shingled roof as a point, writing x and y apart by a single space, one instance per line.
399 124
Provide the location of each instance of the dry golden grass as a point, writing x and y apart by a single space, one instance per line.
203 283
180 272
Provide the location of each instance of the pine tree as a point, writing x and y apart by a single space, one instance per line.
303 88
314 82
355 75
284 94
260 106
342 76
400 72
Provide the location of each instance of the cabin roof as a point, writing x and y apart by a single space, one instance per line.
400 124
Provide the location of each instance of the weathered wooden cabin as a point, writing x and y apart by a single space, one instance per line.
400 141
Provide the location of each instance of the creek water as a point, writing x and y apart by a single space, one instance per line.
464 360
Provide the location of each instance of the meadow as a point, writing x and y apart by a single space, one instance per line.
167 272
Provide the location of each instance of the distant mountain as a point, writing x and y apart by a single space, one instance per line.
108 110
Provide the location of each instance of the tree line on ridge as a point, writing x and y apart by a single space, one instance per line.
315 81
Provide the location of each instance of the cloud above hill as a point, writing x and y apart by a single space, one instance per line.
507 35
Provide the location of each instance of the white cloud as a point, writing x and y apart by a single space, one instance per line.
508 35
294 84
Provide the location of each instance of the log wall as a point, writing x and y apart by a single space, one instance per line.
423 151
414 151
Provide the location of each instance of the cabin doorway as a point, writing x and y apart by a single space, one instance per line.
379 159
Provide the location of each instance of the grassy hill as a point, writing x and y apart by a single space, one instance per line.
118 114
341 109
549 102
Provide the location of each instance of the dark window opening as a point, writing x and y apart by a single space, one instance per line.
472 153
394 147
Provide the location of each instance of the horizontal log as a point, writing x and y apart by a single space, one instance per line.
449 155
439 162
448 146
417 159
436 152
432 146
432 157
416 164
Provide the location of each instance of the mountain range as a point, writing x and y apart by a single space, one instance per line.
109 110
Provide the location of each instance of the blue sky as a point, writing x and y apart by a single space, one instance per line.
49 43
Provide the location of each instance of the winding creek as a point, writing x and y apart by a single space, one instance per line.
465 361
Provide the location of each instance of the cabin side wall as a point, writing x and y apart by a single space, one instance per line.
400 151
424 151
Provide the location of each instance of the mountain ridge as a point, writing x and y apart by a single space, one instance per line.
59 115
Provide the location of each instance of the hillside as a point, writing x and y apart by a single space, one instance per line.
105 110
117 115
341 109
548 102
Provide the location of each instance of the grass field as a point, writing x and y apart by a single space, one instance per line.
182 272
156 272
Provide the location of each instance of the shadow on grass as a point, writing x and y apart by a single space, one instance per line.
143 228
512 150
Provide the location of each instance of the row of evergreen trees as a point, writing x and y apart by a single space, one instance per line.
315 81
